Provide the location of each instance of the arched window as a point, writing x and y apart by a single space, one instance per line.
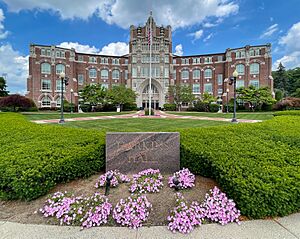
196 74
208 73
240 69
46 101
104 74
60 68
58 101
184 74
115 74
254 68
46 68
92 73
153 88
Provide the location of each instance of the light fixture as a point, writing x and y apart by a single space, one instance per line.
235 73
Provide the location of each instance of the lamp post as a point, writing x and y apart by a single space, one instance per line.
233 81
227 92
64 80
71 100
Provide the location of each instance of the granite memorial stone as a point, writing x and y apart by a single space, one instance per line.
134 152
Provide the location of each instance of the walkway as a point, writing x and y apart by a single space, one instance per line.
281 228
140 114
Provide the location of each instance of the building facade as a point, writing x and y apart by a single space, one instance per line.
204 73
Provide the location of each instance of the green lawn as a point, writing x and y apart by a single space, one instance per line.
56 115
149 125
243 115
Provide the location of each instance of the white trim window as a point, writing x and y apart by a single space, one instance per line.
80 58
92 59
196 74
220 79
46 84
58 85
240 83
196 88
166 73
115 61
254 68
104 60
255 83
220 91
45 68
208 87
80 79
46 101
104 74
92 73
208 59
116 74
196 60
60 54
240 68
208 73
134 72
184 74
60 68
185 61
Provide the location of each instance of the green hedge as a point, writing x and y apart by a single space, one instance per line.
258 165
34 158
287 112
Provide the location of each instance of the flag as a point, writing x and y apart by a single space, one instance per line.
150 35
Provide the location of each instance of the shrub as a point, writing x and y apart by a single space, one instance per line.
213 107
147 112
288 112
129 107
289 103
15 103
34 158
85 108
170 107
201 106
257 165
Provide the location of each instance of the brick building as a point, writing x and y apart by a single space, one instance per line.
204 73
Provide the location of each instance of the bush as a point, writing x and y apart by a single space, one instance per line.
257 165
34 158
129 107
15 103
289 103
170 107
147 112
201 106
85 108
214 107
288 112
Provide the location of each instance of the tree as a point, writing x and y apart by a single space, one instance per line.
255 97
180 94
121 95
94 94
281 79
294 81
3 91
16 103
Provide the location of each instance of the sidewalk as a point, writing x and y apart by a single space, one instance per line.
280 228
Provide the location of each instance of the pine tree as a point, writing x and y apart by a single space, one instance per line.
281 79
3 91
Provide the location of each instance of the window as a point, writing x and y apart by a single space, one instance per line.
104 86
58 102
196 88
115 61
240 54
255 83
134 72
251 52
46 84
220 79
92 73
133 59
60 68
166 72
174 61
80 79
220 58
126 61
254 68
240 83
80 58
220 91
185 61
196 74
208 87
46 102
240 69
104 60
257 52
46 68
115 74
58 85
92 59
208 73
166 58
207 59
155 71
144 71
60 54
184 74
126 74
196 60
104 74
43 52
174 74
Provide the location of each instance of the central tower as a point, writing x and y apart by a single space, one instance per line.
139 61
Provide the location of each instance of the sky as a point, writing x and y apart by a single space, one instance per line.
102 26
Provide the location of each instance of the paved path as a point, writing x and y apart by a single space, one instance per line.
140 114
281 228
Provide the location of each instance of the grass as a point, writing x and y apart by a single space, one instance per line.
56 115
139 125
241 115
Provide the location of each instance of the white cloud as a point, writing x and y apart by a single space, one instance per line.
291 44
115 49
124 13
178 50
208 37
196 35
3 33
79 48
269 31
209 25
16 67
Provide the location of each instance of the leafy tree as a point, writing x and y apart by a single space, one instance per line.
294 81
16 103
3 91
121 95
208 98
180 94
94 94
278 94
255 97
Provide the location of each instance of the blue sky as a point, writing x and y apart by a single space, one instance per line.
102 26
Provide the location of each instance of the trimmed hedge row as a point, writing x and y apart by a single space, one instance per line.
258 165
34 158
287 112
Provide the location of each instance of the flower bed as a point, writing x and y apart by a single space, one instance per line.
132 212
84 211
117 178
185 178
149 180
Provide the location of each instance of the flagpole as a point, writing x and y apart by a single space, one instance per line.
150 36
